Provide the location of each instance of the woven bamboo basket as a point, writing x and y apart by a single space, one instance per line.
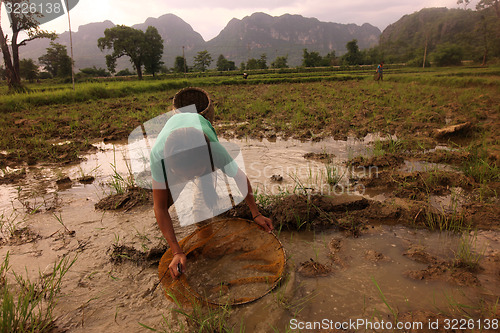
197 96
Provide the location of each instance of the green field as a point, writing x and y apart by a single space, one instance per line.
410 103
50 126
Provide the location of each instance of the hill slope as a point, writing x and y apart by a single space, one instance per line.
406 38
238 41
287 34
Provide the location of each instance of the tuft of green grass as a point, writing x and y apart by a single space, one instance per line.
333 176
384 299
467 254
27 306
120 183
479 166
452 222
9 223
201 319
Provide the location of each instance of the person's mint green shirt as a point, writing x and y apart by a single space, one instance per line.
221 158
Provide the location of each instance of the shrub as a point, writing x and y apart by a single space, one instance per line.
448 55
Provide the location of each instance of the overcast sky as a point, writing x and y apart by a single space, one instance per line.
209 17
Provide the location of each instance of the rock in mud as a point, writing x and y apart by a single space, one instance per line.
322 157
125 201
452 130
386 160
87 179
12 177
418 253
375 256
313 268
301 211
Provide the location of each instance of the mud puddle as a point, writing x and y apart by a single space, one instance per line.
358 267
101 295
273 167
291 165
90 177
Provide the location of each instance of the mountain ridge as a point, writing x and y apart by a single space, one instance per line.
240 39
407 38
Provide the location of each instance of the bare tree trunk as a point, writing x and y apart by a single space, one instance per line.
485 37
138 67
12 75
15 52
425 53
13 79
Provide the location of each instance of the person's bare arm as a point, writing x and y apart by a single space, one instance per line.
244 185
162 200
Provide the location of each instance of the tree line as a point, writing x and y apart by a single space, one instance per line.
145 50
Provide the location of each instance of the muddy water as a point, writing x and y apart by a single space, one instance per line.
351 288
101 296
264 159
360 265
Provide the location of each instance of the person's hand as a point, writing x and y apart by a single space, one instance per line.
181 259
264 222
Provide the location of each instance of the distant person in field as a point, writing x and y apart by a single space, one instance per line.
380 72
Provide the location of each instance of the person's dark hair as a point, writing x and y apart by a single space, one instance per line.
185 149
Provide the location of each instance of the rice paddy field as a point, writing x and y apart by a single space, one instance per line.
384 196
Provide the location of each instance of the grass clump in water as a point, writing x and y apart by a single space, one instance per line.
27 306
479 166
200 319
467 255
445 222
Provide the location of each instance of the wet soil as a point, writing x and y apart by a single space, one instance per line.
133 196
375 256
386 160
119 251
295 212
439 269
113 285
322 157
418 185
313 268
443 156
23 235
12 177
324 111
124 253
